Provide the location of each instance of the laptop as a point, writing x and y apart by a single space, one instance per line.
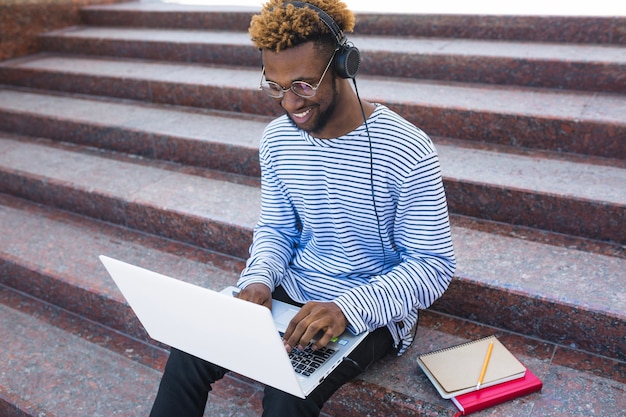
215 326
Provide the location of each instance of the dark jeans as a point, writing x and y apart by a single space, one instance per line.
187 380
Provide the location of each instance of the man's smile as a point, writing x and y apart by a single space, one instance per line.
302 116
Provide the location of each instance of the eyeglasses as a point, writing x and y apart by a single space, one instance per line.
300 88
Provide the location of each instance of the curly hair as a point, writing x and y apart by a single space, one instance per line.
281 26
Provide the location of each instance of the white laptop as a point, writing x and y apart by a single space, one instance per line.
215 326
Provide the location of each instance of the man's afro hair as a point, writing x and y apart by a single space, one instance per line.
280 26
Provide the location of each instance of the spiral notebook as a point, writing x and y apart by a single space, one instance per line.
456 370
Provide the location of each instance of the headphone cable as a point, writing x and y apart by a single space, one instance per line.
369 139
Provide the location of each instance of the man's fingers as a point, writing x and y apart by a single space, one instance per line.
258 294
322 320
295 335
324 340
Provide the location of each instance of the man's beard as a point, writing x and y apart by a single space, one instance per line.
323 117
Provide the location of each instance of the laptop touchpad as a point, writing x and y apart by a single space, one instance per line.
284 317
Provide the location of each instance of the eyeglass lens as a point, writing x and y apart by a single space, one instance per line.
301 88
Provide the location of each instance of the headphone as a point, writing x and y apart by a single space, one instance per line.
348 57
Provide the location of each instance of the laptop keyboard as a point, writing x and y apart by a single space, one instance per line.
307 361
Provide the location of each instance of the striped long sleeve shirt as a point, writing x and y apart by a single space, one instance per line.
360 220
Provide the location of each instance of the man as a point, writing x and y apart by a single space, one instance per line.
354 223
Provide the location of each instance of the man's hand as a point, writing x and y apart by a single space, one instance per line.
314 317
258 294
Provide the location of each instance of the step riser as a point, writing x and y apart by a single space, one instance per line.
147 352
560 214
603 30
233 21
82 301
237 160
554 134
202 232
13 406
561 323
161 51
551 134
374 400
489 70
503 71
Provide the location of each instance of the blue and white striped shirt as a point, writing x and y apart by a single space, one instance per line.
318 233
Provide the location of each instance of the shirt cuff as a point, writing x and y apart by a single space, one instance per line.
356 324
243 282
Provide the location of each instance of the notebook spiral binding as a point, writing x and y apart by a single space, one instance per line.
458 346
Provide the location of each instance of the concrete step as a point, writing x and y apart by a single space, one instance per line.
568 29
501 268
534 190
574 67
546 119
63 362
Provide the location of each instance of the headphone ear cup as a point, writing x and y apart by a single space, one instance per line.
347 61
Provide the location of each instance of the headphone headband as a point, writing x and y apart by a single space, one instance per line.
325 18
348 57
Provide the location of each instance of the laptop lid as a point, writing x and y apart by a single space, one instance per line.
219 328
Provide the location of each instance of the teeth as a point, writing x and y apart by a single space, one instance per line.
304 113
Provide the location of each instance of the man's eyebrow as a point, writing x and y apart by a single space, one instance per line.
309 80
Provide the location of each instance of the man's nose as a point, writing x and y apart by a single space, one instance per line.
291 101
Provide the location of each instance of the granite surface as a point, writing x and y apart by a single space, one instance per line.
23 21
531 190
552 65
574 29
535 179
529 277
561 121
575 383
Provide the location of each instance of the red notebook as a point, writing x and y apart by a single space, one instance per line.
496 394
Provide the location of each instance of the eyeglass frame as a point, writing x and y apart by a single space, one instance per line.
291 87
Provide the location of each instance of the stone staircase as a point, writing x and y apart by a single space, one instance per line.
135 135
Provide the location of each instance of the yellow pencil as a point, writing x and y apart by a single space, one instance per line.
485 364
